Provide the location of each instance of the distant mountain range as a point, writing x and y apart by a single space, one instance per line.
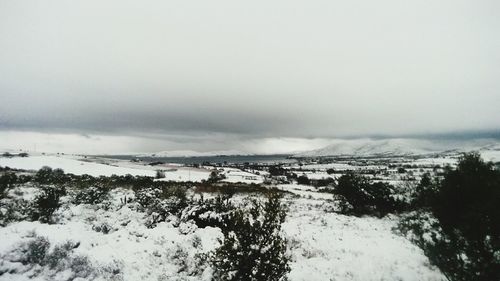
364 147
192 153
400 147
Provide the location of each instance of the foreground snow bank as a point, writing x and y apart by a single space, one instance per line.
126 250
113 238
328 246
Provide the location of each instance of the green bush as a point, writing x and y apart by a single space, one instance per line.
36 252
276 170
159 203
467 208
426 192
304 180
215 176
468 198
212 212
91 195
464 239
366 198
47 202
160 174
253 248
7 180
47 175
15 210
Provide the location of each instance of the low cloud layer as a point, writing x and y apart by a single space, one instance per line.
255 70
107 144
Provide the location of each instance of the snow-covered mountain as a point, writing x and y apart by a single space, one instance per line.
400 147
191 153
367 147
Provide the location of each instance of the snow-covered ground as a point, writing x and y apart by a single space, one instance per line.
235 175
323 245
491 155
103 167
130 251
305 191
442 161
70 165
329 246
186 174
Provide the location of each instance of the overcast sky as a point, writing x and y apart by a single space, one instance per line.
205 75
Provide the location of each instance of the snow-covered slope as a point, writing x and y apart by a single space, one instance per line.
69 165
491 153
366 147
400 147
323 245
77 166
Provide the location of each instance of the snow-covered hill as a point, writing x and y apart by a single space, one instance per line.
400 147
99 167
367 147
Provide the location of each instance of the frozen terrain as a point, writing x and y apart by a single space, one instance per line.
401 147
323 246
103 167
70 165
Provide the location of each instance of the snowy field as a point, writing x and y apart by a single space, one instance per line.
70 165
323 245
80 166
337 247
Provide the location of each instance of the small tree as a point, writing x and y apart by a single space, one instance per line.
215 176
160 174
467 208
365 197
253 248
303 179
276 170
426 192
92 195
47 203
7 181
7 155
464 241
47 175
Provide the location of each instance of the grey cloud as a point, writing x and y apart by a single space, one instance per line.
257 69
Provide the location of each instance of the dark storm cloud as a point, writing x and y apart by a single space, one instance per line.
105 116
258 69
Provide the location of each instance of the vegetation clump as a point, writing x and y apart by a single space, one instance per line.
159 203
253 247
37 253
216 176
47 175
363 197
47 202
91 195
209 212
458 221
7 181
